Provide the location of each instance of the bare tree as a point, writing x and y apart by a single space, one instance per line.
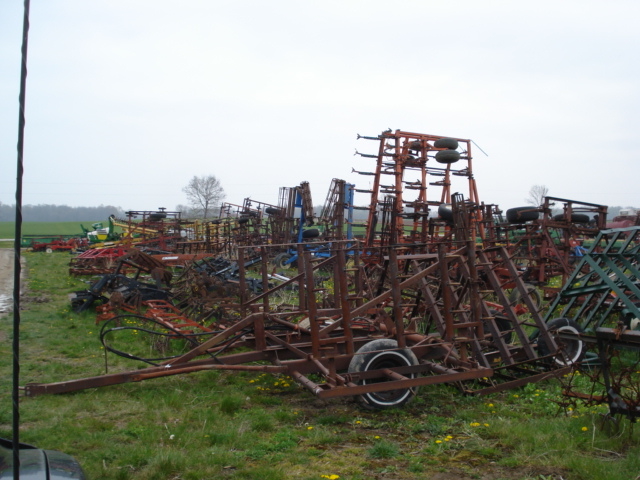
185 210
537 194
203 194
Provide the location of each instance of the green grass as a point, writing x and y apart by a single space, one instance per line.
239 425
7 229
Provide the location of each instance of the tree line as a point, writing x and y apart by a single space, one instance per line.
59 213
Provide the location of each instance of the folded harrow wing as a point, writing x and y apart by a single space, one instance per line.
411 187
600 305
432 323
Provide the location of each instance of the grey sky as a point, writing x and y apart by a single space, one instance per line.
128 99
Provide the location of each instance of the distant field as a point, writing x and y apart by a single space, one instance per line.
7 229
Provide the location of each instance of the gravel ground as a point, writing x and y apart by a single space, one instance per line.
6 280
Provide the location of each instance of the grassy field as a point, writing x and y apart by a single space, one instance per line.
43 228
252 426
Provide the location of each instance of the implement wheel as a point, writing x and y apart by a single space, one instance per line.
569 351
378 354
521 215
515 297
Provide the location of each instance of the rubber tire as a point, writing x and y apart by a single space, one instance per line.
514 296
383 353
450 143
447 156
243 220
49 250
575 218
272 211
280 259
416 145
576 350
310 233
503 325
445 212
521 215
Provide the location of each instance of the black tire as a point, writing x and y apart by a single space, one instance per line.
310 233
575 218
416 145
272 211
515 296
521 215
450 143
383 353
503 325
445 212
569 351
280 259
243 220
447 156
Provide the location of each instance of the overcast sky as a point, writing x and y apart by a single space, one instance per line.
129 99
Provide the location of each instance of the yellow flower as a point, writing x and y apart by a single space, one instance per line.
438 441
331 477
490 405
309 428
486 424
584 429
358 422
377 437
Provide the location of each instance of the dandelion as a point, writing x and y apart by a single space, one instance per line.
490 405
448 437
331 477
358 422
486 424
474 424
438 441
584 429
309 428
377 437
516 396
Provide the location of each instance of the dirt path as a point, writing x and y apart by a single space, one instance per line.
6 280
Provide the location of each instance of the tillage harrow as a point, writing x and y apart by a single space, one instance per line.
420 300
599 305
434 318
